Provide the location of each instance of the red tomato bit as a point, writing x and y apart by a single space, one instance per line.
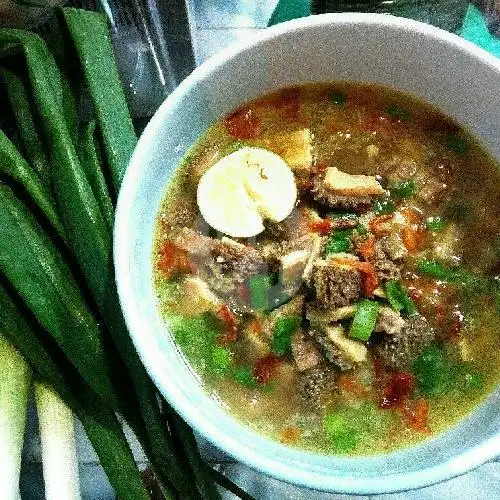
366 248
398 389
243 124
172 259
322 227
413 237
265 368
369 275
227 317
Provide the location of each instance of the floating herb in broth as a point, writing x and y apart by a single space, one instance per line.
346 298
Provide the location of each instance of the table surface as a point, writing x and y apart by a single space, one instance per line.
219 23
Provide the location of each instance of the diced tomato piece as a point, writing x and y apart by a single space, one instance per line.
417 415
166 258
265 368
289 434
322 227
172 259
231 329
399 388
366 248
243 124
226 315
370 279
413 237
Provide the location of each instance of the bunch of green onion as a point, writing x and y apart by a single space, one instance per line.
60 321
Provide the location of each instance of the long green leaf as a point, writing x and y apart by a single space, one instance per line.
92 166
85 226
13 166
37 270
100 423
18 93
83 223
99 68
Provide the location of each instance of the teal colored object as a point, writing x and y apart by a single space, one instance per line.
474 29
290 9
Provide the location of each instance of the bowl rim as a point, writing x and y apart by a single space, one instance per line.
453 467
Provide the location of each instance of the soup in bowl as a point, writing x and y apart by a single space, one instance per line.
310 270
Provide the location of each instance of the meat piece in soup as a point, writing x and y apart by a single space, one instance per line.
327 257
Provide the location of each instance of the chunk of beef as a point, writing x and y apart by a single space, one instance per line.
239 261
335 285
304 352
315 384
333 200
277 230
338 189
223 264
400 350
330 350
386 269
389 321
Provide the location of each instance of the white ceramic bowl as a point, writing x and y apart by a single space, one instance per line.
462 80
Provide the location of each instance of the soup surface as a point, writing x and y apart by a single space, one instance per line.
342 296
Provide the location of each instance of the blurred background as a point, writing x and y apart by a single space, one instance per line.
159 42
